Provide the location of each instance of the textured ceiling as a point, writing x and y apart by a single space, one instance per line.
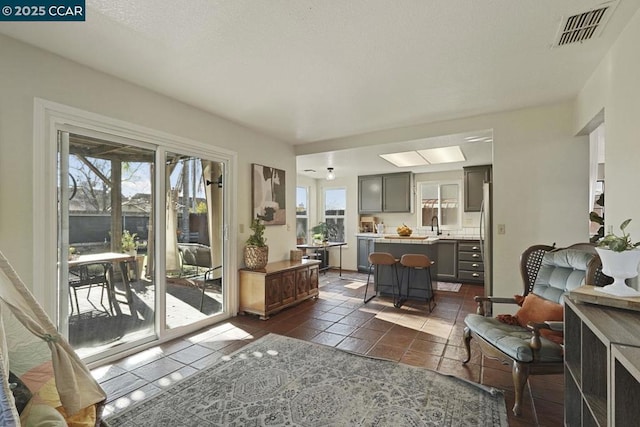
310 70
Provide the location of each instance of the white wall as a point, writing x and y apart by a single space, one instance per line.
615 87
540 175
27 72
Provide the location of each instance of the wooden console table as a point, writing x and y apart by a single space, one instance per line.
279 285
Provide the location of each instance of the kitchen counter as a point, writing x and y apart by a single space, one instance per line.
409 240
431 237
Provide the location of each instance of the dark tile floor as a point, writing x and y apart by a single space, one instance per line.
338 318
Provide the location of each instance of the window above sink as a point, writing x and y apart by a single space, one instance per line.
439 204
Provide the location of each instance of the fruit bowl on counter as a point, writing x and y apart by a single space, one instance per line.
404 231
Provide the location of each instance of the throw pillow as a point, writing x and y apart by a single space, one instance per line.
42 415
509 319
536 309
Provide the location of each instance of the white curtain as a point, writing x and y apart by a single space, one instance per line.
76 387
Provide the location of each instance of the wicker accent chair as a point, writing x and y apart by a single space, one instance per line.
548 273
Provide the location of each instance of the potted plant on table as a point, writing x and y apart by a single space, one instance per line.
128 243
620 258
256 251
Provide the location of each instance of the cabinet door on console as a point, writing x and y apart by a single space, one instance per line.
314 272
288 287
273 291
302 282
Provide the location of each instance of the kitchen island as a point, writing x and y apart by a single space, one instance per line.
416 288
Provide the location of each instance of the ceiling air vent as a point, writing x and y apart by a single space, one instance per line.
584 26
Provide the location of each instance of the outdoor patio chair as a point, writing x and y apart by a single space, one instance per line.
86 276
531 341
194 254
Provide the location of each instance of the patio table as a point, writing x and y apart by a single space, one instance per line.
112 258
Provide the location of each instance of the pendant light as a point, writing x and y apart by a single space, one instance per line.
330 175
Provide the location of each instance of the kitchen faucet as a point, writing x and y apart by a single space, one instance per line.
438 232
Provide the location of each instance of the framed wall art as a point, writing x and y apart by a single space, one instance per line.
269 194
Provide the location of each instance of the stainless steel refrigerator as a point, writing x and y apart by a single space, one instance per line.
486 244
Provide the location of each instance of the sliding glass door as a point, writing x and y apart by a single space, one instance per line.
106 212
140 247
194 239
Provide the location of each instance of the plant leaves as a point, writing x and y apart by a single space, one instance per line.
624 224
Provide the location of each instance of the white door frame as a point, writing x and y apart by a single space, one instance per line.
49 118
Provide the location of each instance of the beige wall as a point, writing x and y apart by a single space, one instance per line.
27 72
540 174
615 87
540 165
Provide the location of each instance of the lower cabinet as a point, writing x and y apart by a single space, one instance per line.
279 285
602 365
365 247
447 260
470 263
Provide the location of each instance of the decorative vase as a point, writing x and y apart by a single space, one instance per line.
620 266
256 257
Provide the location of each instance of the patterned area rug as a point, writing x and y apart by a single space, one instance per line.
278 381
446 286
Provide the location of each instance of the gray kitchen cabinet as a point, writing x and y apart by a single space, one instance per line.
470 263
474 178
385 193
396 192
365 247
370 194
447 260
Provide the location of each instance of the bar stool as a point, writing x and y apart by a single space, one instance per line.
377 259
419 262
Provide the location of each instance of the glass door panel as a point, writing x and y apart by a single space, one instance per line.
106 281
194 239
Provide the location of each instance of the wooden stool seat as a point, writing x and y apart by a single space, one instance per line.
415 261
377 259
419 262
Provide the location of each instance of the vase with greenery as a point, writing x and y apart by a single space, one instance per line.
256 251
128 243
620 258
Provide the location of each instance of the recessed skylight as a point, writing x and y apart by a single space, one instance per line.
478 139
425 157
443 155
405 159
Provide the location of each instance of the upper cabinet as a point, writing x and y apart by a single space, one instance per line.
396 192
385 193
370 194
474 178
